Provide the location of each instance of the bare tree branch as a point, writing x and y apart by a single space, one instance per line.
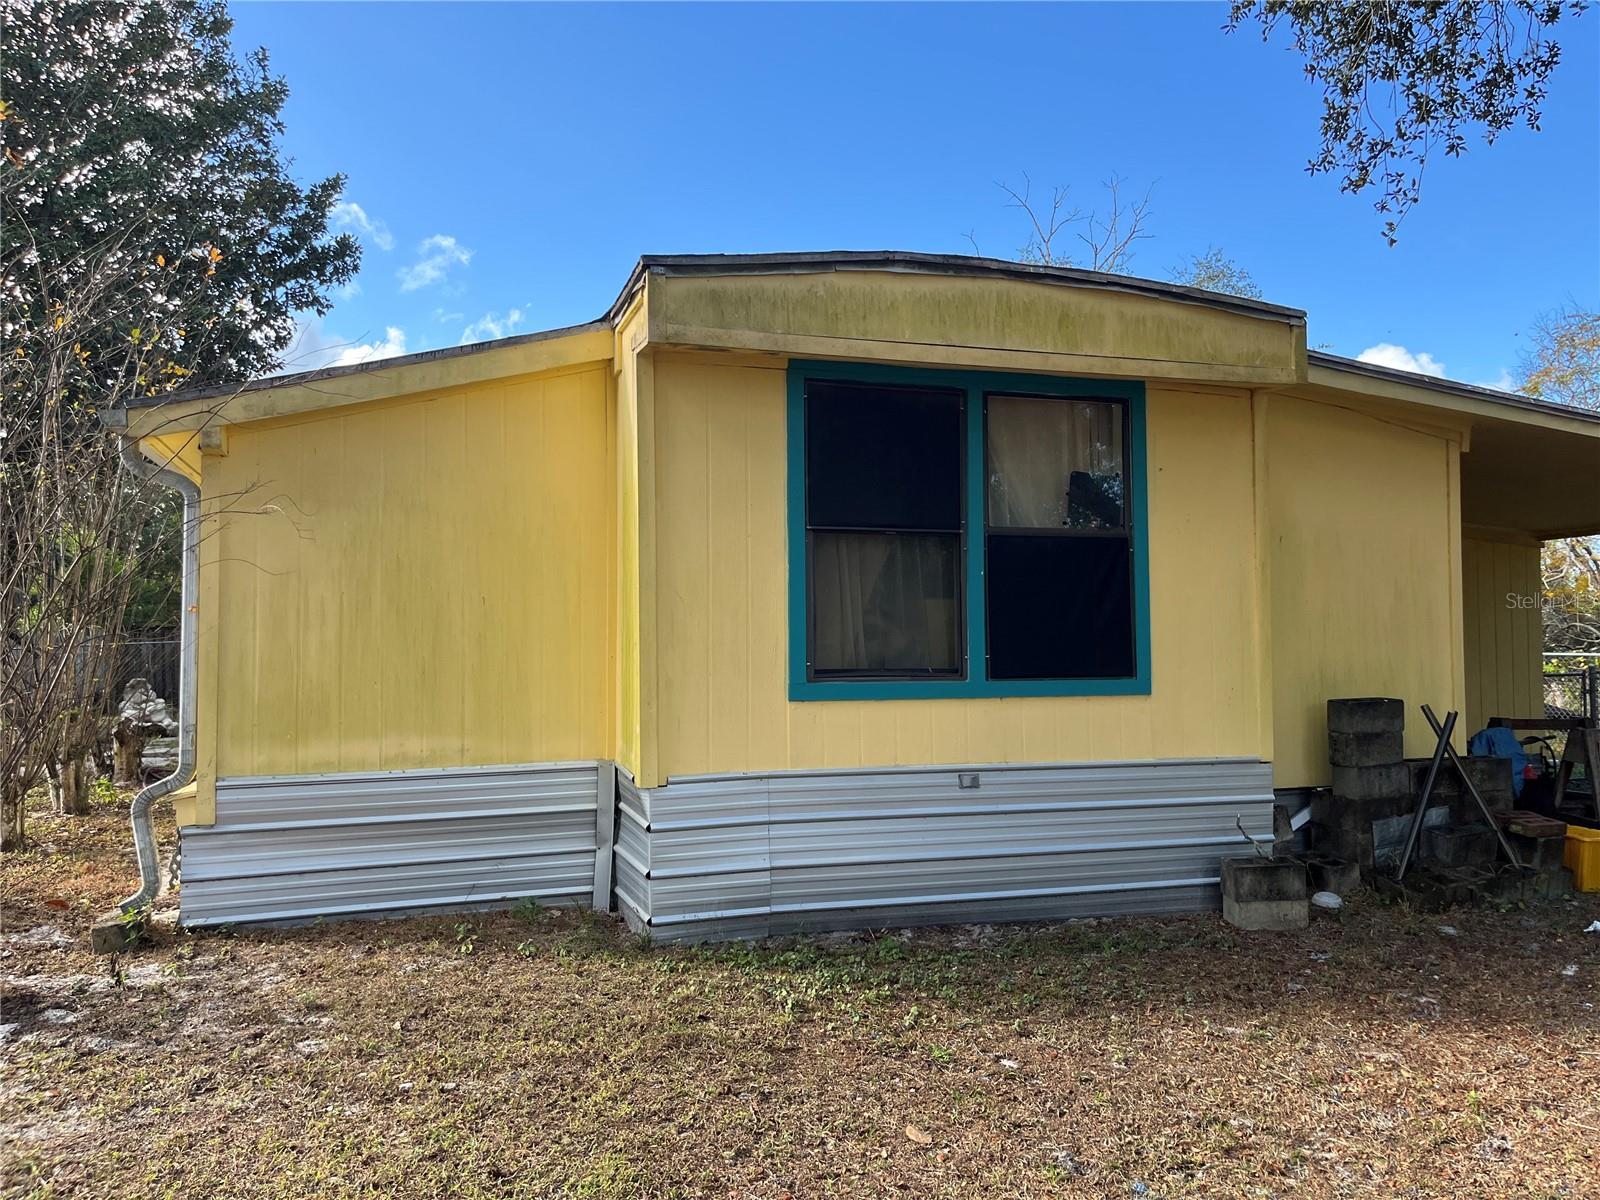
1107 235
1110 239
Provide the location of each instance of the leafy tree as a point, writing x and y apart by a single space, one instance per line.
157 549
153 238
1563 365
1214 271
1571 573
1405 78
1563 362
134 123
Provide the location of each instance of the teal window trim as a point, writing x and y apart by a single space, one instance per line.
975 384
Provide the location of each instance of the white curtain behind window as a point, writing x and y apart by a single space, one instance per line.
1035 445
884 602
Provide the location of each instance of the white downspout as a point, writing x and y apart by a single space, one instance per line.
144 837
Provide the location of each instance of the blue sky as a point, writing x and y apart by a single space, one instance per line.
511 161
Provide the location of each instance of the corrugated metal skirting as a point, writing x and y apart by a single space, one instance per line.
717 857
292 847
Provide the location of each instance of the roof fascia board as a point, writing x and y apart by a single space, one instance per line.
907 262
665 333
395 377
1346 375
1434 422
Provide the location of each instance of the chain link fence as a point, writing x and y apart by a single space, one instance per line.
152 658
1572 685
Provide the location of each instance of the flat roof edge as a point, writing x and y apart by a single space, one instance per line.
322 374
1471 391
972 266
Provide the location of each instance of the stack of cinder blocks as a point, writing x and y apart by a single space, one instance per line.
1460 857
1371 781
1491 776
1365 817
1540 843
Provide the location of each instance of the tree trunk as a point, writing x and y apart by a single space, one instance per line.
129 753
74 788
52 771
13 807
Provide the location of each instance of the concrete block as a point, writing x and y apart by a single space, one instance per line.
1329 874
1365 749
1352 829
1492 778
1342 840
1367 714
1372 783
1530 824
1434 889
1461 845
1447 785
1265 893
1556 883
1389 834
114 932
1511 886
1538 853
1470 877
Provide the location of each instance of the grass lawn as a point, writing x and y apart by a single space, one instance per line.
549 1054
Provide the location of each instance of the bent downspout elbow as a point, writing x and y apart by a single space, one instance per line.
144 836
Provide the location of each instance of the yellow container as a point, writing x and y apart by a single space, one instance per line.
1583 856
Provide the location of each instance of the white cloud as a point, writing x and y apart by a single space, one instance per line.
490 326
435 256
446 317
314 348
1386 354
393 343
349 215
311 348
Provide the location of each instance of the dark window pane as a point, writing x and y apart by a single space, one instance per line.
885 603
1054 464
882 458
1059 607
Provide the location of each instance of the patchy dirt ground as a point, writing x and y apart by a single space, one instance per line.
548 1054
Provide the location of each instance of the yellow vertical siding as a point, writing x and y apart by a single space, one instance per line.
1504 638
417 583
1363 574
721 615
591 562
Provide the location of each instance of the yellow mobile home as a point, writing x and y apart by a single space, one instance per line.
812 590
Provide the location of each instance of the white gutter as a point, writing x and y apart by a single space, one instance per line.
144 837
